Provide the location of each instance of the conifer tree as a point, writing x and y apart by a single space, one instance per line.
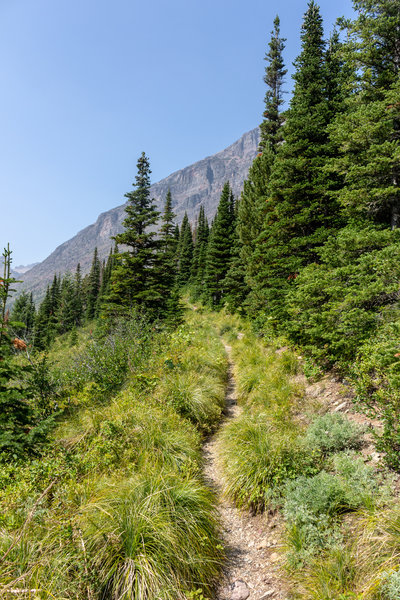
133 280
301 212
185 252
17 433
367 134
24 311
219 250
234 285
169 307
106 271
42 334
93 286
254 200
271 126
78 295
200 254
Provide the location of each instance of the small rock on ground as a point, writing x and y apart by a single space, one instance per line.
240 590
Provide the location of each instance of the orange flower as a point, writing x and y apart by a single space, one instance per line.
19 344
397 355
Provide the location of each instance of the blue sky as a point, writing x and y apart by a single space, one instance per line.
87 85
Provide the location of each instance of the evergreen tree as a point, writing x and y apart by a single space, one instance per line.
93 286
106 271
220 245
200 254
301 212
254 200
367 134
17 433
133 280
235 287
185 252
78 296
271 127
24 312
170 307
66 315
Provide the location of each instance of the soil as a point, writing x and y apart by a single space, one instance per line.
253 568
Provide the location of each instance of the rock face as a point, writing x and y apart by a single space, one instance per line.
200 183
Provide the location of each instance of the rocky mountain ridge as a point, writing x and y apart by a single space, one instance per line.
199 183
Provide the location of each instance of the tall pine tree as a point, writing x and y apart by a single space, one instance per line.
219 252
368 133
254 200
301 212
200 254
134 278
185 252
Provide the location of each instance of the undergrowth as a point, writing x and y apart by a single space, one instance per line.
280 453
116 506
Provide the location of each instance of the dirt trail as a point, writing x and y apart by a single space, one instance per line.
253 567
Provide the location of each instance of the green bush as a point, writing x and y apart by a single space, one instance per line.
376 377
312 504
333 432
390 587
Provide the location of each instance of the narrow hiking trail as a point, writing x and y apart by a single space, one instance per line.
252 569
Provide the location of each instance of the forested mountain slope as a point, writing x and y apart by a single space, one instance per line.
198 184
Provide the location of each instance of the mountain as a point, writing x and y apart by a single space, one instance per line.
17 272
199 183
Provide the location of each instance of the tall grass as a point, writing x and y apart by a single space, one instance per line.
128 515
271 456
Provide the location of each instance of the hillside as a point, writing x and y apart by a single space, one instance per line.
199 183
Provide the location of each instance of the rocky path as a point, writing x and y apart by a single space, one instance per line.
252 570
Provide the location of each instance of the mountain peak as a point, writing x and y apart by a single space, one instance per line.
198 184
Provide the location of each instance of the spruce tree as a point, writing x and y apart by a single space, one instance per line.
301 211
24 312
170 308
254 200
271 126
185 252
200 254
220 247
66 314
133 279
93 286
42 334
235 287
16 415
367 134
78 295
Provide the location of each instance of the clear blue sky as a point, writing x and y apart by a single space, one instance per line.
87 85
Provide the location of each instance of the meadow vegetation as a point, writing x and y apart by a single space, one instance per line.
115 505
284 453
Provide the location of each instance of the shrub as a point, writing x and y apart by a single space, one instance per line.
313 503
333 432
376 376
390 587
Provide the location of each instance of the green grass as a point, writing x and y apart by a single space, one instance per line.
129 515
257 459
